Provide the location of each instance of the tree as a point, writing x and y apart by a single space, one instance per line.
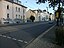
44 10
53 3
50 13
32 18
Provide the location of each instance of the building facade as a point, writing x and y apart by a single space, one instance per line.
52 17
30 13
11 12
45 16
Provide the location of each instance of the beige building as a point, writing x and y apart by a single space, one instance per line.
12 12
38 15
30 13
35 13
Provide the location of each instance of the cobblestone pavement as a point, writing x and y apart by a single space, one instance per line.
44 42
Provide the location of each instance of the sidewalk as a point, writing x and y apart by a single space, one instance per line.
45 40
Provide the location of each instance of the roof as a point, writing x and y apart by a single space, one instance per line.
32 10
16 3
38 10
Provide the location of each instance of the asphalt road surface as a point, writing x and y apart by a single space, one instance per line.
21 35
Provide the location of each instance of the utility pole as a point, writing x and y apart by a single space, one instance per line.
58 14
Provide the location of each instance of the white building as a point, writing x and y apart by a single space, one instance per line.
41 15
52 17
11 11
44 16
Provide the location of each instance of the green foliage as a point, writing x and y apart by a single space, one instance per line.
44 10
32 18
52 3
50 13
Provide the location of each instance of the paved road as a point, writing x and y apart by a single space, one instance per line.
21 35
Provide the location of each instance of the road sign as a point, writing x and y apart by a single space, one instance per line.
57 14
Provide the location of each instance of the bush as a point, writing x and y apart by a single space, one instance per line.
59 32
32 18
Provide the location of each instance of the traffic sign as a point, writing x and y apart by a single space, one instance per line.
57 14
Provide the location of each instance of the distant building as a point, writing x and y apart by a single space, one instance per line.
52 17
44 16
30 13
11 11
38 14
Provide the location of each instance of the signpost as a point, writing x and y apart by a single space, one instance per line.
57 14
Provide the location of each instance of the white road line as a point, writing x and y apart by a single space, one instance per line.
20 40
8 37
14 39
47 31
25 42
3 36
44 33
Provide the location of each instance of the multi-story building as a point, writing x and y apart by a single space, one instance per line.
11 11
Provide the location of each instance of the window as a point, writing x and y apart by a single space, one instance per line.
19 9
7 6
46 16
16 15
24 11
19 16
16 8
8 15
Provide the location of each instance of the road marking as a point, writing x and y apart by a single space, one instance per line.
20 40
25 42
39 37
3 36
8 37
45 32
14 39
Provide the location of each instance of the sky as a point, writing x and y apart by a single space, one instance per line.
31 4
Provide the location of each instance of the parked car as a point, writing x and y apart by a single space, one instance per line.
17 21
7 21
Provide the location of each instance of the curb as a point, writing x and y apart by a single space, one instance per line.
41 35
4 25
45 32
